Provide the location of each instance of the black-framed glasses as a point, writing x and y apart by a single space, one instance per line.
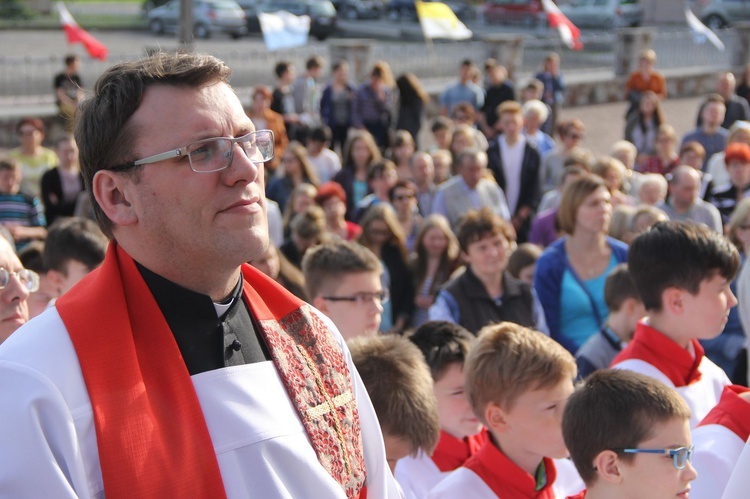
29 279
216 153
680 456
362 298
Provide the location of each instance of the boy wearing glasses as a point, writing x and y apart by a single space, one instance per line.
343 282
629 437
682 271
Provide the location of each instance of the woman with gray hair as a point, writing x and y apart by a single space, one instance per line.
535 113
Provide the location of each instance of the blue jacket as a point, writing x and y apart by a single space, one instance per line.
548 278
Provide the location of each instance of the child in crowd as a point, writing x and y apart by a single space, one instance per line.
325 161
445 347
74 247
343 281
442 132
625 310
518 382
22 215
619 427
682 272
307 229
719 440
400 387
522 262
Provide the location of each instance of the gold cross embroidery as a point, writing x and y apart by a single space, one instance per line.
328 406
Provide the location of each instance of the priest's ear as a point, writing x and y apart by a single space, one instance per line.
115 193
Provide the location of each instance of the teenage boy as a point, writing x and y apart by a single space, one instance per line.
20 213
625 310
399 384
445 346
719 440
485 292
343 282
682 272
619 427
517 382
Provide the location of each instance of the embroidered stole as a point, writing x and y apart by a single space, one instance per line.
151 434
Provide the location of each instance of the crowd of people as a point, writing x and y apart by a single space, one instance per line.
424 301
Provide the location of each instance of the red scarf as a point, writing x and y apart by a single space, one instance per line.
151 434
732 412
652 346
506 478
452 452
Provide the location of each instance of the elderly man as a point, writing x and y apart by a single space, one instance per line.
737 108
685 204
174 370
16 283
469 190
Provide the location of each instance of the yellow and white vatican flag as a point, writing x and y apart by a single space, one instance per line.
439 21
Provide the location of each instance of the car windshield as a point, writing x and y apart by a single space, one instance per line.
224 5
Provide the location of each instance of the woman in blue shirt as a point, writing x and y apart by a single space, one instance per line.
570 274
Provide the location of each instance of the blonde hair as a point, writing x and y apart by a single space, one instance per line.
299 152
509 360
740 216
387 214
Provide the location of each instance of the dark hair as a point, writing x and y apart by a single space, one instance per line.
104 132
31 256
320 134
526 254
618 287
70 59
8 163
441 123
401 184
314 62
442 343
281 67
475 225
410 89
681 255
74 238
616 409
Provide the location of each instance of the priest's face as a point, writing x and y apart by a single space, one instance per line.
186 226
14 309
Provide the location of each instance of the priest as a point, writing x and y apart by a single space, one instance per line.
175 369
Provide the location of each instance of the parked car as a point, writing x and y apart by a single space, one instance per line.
209 17
359 9
323 21
718 14
406 10
604 14
524 12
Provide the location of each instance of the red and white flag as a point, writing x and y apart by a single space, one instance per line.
76 34
569 33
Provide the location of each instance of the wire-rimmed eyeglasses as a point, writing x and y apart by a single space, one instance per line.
216 153
361 298
29 279
680 456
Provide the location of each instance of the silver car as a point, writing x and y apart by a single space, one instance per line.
718 14
209 17
604 14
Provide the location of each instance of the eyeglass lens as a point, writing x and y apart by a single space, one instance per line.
216 154
28 278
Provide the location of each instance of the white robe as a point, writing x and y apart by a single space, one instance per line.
739 482
48 443
700 396
717 449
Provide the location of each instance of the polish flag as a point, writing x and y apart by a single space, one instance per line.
569 33
76 34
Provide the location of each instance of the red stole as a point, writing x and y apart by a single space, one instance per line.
452 452
732 412
152 438
504 476
652 346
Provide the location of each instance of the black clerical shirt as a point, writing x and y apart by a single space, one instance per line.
207 342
